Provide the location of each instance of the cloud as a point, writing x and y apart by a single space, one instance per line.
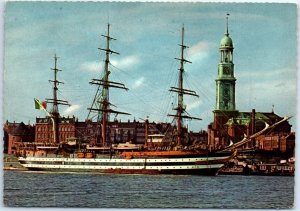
200 47
193 105
139 82
90 66
126 62
71 109
199 50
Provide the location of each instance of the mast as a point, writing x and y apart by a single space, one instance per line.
181 108
101 100
55 101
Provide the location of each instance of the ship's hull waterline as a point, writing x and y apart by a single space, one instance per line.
180 166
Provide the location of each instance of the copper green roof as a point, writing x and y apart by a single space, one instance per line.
244 118
226 41
238 121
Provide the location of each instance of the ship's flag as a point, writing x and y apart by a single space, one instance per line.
40 105
44 104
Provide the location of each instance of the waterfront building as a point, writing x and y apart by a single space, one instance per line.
44 130
20 136
225 93
229 124
15 135
7 128
136 131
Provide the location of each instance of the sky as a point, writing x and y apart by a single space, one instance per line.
148 34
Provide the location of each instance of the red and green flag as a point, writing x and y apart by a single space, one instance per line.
39 104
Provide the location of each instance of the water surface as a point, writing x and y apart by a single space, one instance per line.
32 189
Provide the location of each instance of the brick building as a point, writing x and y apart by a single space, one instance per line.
44 130
135 131
19 135
229 124
15 135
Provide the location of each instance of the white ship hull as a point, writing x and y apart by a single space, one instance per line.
194 165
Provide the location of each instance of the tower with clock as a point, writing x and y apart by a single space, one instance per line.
229 124
225 82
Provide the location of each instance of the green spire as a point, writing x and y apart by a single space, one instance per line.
226 31
225 82
226 41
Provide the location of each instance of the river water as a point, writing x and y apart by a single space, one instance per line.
32 189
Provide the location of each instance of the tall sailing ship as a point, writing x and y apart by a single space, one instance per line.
105 158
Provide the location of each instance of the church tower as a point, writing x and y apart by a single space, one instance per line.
225 83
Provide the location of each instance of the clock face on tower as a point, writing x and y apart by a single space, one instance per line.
226 70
